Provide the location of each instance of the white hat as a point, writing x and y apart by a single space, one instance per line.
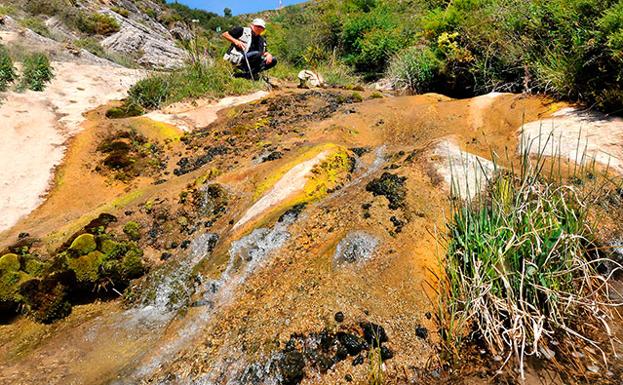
259 23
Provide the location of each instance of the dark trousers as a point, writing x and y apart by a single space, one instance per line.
257 62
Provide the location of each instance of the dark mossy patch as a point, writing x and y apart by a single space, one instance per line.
128 154
392 187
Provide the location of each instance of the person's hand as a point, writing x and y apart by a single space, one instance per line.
269 58
240 45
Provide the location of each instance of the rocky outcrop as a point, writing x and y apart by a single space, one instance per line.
156 46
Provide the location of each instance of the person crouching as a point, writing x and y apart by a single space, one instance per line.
248 50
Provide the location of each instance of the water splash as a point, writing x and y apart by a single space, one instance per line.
245 256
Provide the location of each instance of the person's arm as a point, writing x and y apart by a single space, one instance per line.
266 54
227 36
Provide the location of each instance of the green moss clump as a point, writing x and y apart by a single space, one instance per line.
35 267
83 244
132 263
356 97
132 230
9 262
87 267
10 282
112 249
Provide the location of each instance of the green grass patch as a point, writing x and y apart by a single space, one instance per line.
188 83
521 271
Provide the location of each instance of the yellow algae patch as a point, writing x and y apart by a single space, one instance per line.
156 130
274 177
314 174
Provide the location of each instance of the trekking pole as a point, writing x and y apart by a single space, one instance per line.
248 66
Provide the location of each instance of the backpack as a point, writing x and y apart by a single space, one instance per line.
234 56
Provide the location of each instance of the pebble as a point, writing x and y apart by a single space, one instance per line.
358 360
348 378
339 316
421 332
386 353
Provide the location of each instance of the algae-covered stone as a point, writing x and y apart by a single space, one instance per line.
87 267
9 262
132 230
112 249
132 263
35 267
84 244
10 282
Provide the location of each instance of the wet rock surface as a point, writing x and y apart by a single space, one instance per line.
304 355
355 247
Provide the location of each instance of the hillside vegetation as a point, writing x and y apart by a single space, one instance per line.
569 49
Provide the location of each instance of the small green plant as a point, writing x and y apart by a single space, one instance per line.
521 270
375 369
414 69
150 93
132 230
37 72
122 11
7 71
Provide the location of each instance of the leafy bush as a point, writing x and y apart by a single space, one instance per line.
415 69
37 72
521 270
98 23
7 71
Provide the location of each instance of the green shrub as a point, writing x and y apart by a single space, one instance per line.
46 7
7 10
337 74
98 23
415 69
36 25
7 70
121 11
92 45
37 72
